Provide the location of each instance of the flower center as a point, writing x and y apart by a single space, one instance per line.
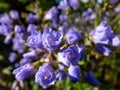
50 40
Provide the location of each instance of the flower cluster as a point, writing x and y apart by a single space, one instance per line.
58 42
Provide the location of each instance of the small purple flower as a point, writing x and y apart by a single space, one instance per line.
74 73
81 51
30 55
89 11
103 33
52 14
85 16
14 14
51 39
32 18
18 43
19 28
35 40
73 36
63 5
91 79
7 39
116 41
62 18
25 61
61 75
12 57
63 28
101 48
31 28
117 9
113 1
15 85
24 72
5 19
74 4
5 29
70 55
45 76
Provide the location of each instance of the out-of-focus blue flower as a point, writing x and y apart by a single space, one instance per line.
74 4
116 41
91 79
102 34
61 75
30 55
62 18
24 72
25 61
45 76
74 73
81 51
19 28
12 57
52 14
31 28
113 1
69 55
14 14
5 29
117 9
101 48
63 5
63 28
61 67
51 39
7 39
32 18
15 86
5 19
35 40
18 43
89 11
73 36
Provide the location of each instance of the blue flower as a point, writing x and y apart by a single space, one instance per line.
102 34
32 18
19 28
69 55
116 41
30 55
62 18
81 51
51 39
101 48
31 28
91 79
45 76
73 36
14 14
5 19
35 40
12 57
61 75
18 43
74 73
24 72
52 14
5 29
63 5
74 4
